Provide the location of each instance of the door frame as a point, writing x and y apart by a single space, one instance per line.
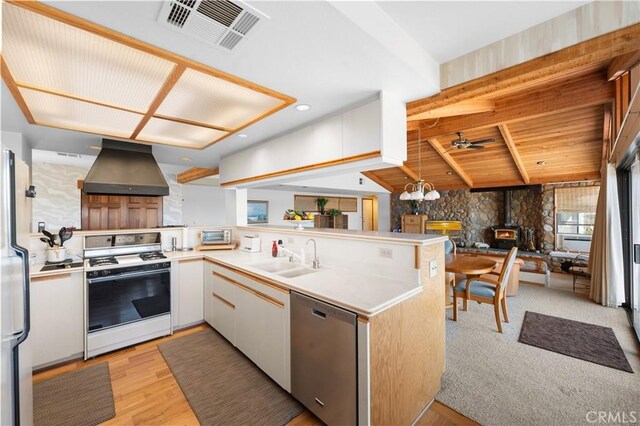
374 211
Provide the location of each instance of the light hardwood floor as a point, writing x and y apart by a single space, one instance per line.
146 393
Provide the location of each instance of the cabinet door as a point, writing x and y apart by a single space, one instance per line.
208 289
260 332
57 317
190 292
223 306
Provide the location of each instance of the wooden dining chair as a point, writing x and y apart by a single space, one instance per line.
450 248
483 290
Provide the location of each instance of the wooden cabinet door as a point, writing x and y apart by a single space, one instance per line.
101 212
144 212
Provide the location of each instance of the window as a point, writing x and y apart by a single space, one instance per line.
575 217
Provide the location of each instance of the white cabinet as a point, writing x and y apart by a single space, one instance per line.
361 130
254 317
208 289
190 289
57 318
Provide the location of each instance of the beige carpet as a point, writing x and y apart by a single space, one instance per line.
82 397
495 380
223 386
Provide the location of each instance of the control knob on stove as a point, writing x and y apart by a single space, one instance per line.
104 272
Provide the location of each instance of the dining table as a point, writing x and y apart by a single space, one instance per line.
471 266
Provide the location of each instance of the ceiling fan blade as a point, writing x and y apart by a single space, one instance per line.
482 141
476 147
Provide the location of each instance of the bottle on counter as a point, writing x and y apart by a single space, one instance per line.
281 253
274 249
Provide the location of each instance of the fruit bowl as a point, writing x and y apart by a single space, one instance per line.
297 224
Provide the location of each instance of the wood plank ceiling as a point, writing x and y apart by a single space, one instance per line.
547 117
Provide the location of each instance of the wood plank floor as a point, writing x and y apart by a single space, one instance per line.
146 393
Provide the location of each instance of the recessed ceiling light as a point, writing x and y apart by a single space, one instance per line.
187 159
541 163
302 107
95 147
242 135
449 173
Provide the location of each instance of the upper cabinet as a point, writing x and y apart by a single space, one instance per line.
372 135
120 212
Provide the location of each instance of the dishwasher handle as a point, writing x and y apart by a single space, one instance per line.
318 313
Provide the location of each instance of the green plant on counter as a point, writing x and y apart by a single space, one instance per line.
334 212
321 202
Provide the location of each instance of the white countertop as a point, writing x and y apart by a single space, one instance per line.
359 292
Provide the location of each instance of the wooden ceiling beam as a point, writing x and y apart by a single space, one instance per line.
13 88
450 161
543 68
171 81
513 150
196 173
622 64
588 91
409 172
379 181
461 108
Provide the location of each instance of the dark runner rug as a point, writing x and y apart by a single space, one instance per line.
81 397
576 339
223 386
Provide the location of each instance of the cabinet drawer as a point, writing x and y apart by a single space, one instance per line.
269 290
223 288
412 220
223 316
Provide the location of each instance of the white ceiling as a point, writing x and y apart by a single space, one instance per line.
322 55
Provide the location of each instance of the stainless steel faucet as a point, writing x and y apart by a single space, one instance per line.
316 261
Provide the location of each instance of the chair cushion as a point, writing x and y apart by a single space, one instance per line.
478 288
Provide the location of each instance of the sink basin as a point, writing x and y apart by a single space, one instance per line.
297 272
276 266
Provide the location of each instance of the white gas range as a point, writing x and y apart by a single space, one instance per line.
127 291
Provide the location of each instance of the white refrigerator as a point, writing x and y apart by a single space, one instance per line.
15 358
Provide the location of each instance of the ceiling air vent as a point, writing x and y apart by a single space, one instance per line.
221 23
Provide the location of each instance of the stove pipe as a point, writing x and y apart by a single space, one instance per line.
507 207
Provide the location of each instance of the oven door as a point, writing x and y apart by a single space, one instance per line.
128 297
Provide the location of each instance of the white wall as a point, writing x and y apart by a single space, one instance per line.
16 143
203 205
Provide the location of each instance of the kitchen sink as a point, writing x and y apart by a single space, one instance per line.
276 266
297 272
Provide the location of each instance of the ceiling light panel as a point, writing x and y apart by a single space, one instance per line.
57 111
49 54
179 134
203 98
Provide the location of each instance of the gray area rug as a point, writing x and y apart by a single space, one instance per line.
224 387
81 397
495 380
576 339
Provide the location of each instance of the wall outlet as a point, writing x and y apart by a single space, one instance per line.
433 268
386 252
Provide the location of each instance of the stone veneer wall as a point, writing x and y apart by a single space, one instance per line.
479 211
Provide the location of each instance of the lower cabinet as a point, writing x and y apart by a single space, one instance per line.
57 318
190 292
254 317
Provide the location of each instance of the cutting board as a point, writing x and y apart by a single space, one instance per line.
217 247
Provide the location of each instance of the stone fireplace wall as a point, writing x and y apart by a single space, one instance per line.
479 211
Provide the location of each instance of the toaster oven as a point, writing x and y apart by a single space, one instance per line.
215 236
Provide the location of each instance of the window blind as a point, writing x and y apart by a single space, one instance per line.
583 199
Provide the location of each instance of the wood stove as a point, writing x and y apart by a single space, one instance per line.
506 236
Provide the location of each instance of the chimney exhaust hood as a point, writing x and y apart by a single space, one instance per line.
124 168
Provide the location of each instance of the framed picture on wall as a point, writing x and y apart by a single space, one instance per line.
257 211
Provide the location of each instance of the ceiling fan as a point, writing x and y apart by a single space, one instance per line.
464 143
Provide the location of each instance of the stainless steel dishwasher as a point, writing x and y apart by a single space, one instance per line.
324 360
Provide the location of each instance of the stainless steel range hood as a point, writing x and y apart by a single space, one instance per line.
124 168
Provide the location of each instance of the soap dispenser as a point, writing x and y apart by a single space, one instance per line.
274 249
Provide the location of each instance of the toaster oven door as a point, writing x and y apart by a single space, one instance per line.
222 236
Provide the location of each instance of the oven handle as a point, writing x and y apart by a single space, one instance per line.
127 275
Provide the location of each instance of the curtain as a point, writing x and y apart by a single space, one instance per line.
605 257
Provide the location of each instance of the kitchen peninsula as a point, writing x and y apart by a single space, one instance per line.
382 278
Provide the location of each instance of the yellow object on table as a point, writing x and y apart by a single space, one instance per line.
444 226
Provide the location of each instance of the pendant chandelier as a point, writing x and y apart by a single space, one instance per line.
420 190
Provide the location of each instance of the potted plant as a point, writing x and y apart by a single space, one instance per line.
321 202
334 212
